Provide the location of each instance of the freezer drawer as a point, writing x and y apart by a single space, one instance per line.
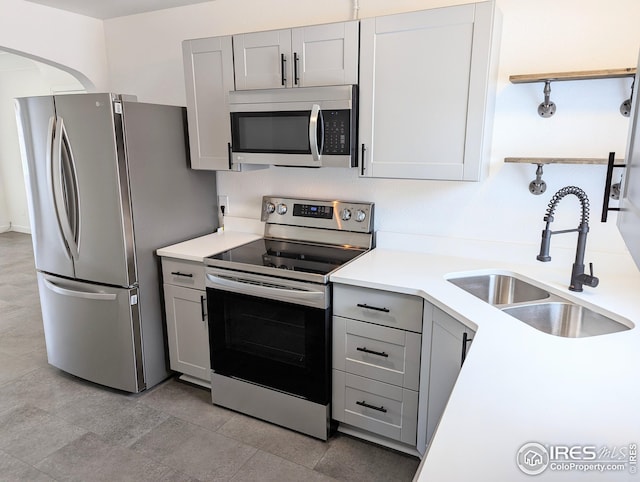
93 331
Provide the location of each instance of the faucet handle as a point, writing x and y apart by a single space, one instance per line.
589 279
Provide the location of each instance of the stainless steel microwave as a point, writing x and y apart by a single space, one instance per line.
301 127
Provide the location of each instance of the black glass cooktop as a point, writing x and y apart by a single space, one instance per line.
288 255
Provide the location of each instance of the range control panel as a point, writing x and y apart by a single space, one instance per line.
337 215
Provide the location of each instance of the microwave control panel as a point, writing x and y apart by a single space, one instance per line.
336 132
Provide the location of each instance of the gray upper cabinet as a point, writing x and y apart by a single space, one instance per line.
426 92
298 57
208 67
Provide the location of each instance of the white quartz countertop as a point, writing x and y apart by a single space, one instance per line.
519 385
238 231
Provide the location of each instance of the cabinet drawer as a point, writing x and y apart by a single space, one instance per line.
386 308
183 273
373 351
377 407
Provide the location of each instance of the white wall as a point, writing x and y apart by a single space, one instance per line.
72 42
538 36
20 77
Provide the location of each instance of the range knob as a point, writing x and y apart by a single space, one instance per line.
360 215
269 208
345 214
282 208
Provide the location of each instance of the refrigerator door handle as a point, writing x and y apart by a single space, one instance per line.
51 169
87 295
64 182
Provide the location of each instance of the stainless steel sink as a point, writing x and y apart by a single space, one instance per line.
499 289
537 307
565 319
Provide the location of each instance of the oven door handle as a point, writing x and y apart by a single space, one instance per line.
250 288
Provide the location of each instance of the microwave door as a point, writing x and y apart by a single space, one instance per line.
276 137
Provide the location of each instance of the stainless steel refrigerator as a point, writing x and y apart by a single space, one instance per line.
108 184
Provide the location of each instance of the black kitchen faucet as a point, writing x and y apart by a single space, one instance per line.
578 276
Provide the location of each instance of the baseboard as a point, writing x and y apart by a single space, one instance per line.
4 228
20 229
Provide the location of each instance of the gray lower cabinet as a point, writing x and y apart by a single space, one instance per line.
377 339
187 327
450 341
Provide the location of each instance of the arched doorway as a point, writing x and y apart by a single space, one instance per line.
21 76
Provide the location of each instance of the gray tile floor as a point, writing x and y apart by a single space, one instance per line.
54 426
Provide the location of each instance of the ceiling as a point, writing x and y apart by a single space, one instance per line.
113 8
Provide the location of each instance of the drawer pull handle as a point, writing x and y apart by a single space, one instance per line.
379 353
178 273
375 308
372 407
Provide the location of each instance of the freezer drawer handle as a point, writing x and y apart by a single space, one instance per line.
375 308
178 273
79 294
372 407
366 350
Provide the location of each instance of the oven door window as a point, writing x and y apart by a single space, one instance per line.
279 345
271 132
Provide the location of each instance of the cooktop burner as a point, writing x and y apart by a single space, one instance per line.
286 255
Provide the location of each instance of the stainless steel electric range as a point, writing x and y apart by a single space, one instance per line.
269 304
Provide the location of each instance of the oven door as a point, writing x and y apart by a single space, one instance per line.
271 333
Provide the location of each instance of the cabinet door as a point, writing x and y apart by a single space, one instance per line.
423 92
208 67
447 345
325 54
187 331
262 60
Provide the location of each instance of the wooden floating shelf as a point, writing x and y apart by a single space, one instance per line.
559 160
578 75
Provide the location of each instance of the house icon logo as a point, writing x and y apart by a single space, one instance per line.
532 458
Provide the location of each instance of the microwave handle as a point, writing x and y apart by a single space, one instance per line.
315 121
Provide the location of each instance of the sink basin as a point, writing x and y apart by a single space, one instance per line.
498 289
565 319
